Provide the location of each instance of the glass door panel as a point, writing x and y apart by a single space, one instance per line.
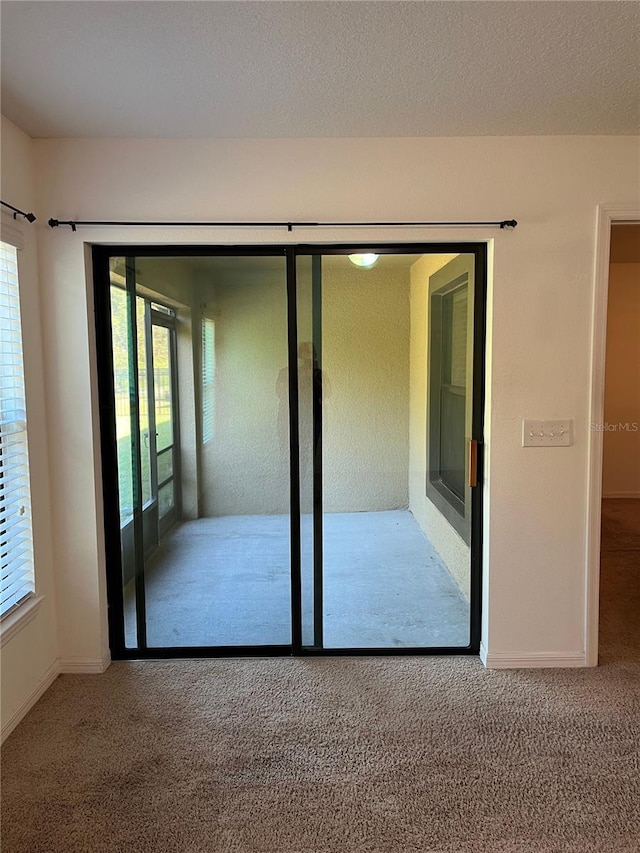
385 565
310 436
205 522
166 500
123 390
165 464
129 371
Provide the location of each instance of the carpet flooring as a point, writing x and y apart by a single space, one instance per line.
341 755
226 582
620 583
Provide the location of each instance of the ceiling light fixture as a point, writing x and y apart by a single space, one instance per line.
366 261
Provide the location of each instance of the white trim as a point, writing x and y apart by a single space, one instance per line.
613 495
45 682
483 654
56 668
533 660
606 215
21 616
87 665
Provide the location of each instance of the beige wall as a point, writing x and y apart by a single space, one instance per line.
169 278
621 451
245 467
29 661
365 360
552 185
451 547
243 470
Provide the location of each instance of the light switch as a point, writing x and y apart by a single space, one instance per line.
546 433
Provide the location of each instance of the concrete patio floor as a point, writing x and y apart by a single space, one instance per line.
226 581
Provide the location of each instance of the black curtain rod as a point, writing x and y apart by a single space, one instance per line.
75 223
30 217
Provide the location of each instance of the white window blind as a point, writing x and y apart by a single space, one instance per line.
208 376
16 543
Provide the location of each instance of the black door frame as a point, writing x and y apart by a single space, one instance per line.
101 256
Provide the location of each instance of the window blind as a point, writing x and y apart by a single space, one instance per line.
208 375
16 542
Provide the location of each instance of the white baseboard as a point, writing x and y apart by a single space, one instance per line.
531 660
74 665
614 495
45 682
58 667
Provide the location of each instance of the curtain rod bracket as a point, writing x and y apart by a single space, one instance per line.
30 217
56 223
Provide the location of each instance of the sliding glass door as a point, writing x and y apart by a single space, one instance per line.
200 411
291 448
388 448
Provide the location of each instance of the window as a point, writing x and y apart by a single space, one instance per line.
452 386
450 391
16 542
208 374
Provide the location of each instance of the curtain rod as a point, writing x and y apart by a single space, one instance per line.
30 217
76 223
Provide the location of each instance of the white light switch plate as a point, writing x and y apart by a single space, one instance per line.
546 433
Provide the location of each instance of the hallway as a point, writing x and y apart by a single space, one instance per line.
620 581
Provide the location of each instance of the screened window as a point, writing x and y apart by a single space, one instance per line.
16 543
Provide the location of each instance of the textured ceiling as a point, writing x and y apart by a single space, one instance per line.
320 69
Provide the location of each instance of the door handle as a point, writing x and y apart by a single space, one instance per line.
473 463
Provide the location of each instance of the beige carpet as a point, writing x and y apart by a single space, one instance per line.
386 755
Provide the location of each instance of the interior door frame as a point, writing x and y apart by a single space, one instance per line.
101 254
606 216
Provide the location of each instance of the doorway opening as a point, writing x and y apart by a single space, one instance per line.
291 446
620 533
